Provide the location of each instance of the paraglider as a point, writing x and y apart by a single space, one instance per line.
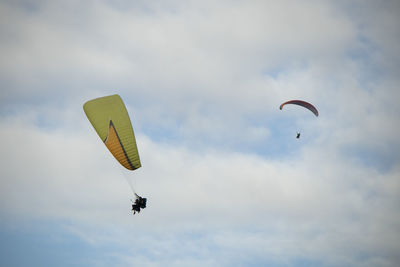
140 203
304 104
110 119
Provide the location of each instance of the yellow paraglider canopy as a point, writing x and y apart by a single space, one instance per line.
110 119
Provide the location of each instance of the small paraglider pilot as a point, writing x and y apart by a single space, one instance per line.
298 135
140 203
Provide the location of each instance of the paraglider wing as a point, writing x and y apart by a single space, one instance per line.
303 104
110 119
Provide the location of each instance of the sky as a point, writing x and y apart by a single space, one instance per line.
227 182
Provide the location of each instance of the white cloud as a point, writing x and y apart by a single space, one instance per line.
320 198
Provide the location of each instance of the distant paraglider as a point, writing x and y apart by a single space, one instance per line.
304 104
110 119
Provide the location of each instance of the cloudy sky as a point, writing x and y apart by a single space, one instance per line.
227 182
